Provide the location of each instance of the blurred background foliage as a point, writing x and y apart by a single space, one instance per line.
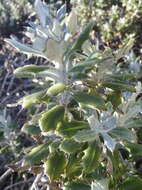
13 14
115 20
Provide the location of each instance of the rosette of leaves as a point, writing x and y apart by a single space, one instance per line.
91 109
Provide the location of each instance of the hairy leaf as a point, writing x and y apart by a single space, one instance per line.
123 133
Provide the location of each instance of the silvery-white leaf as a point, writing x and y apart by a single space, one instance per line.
135 66
61 12
102 184
24 48
57 30
39 44
87 47
127 95
55 50
72 22
2 120
44 31
65 98
94 123
133 110
109 108
124 134
8 119
50 34
85 135
32 24
43 12
64 28
67 36
30 32
134 62
109 142
109 123
139 87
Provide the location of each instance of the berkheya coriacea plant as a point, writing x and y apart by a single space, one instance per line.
91 110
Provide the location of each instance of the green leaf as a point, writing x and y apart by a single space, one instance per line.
79 76
125 48
37 154
132 183
50 74
87 63
85 135
115 98
119 165
53 147
31 129
55 165
56 89
30 69
83 37
69 146
68 129
123 76
135 149
34 98
50 119
76 186
73 167
89 100
133 123
91 158
123 133
25 75
84 64
115 85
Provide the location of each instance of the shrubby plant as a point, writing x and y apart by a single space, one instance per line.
9 142
115 20
12 12
91 106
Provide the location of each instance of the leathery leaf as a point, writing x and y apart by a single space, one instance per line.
90 100
131 183
34 98
56 89
30 69
31 129
118 85
68 129
76 186
73 167
69 146
91 157
37 154
50 119
83 37
55 165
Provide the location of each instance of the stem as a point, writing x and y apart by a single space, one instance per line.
5 175
35 183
